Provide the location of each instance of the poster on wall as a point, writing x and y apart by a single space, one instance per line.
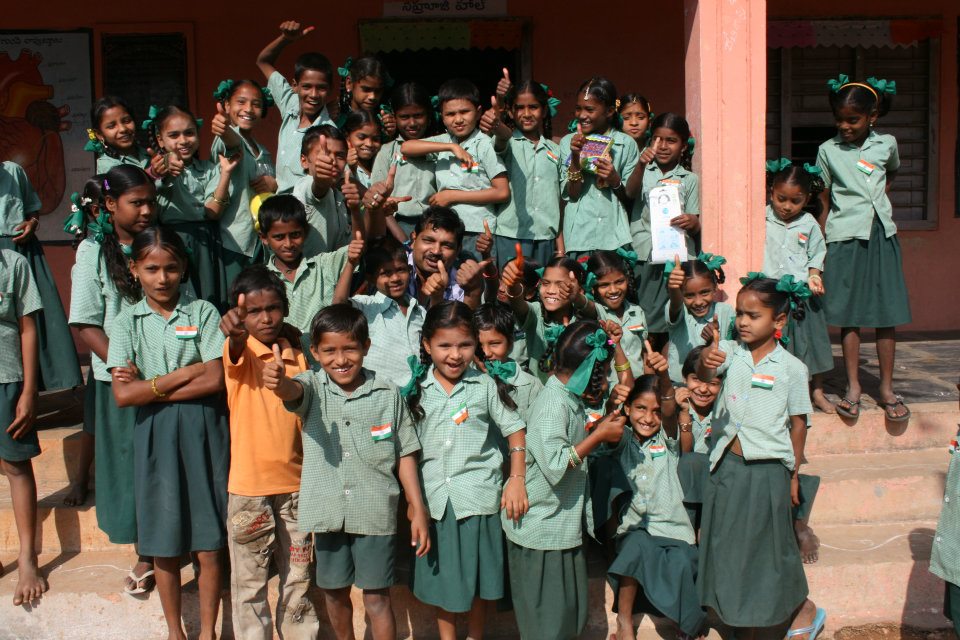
46 89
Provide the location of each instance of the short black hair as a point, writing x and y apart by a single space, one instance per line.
445 218
339 318
312 61
380 252
312 135
281 208
690 362
257 277
498 317
458 89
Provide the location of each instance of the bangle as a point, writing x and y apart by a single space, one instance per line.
517 450
574 176
815 276
670 397
510 295
156 391
622 367
686 427
495 275
220 202
575 460
516 475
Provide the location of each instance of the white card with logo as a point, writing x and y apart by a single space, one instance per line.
668 241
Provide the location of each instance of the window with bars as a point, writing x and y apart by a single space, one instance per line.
799 117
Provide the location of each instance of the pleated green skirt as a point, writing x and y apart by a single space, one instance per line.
113 428
59 366
652 295
205 270
864 282
26 446
549 590
808 338
750 571
234 263
181 462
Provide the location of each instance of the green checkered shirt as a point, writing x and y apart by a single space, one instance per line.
327 217
535 328
463 462
393 335
556 491
290 138
349 481
653 177
526 388
703 439
414 178
759 417
634 323
17 198
19 297
793 248
312 287
945 557
685 334
142 335
138 159
534 171
184 198
237 232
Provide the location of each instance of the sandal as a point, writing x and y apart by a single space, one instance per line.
813 630
852 411
890 407
137 580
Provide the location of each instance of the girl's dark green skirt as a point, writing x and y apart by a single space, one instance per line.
864 282
652 295
808 338
750 570
59 366
234 263
549 590
465 561
26 446
113 428
205 270
181 462
666 570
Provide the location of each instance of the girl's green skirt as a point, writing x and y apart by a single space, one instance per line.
113 428
750 570
809 339
465 561
864 282
666 570
26 446
181 462
234 263
652 295
59 366
549 590
205 269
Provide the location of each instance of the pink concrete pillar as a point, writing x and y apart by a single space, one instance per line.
726 64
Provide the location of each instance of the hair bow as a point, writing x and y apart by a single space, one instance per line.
504 370
589 283
669 266
796 289
199 122
101 227
93 143
151 116
222 91
552 103
691 145
883 86
435 103
751 276
551 333
812 169
76 222
712 261
578 382
836 84
774 166
344 71
572 125
630 257
539 271
417 371
268 100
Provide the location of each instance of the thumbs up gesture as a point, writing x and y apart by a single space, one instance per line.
436 284
576 144
355 249
274 373
232 323
485 241
569 288
711 329
350 191
219 122
503 86
677 277
490 120
712 356
655 360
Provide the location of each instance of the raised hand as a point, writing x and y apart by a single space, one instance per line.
713 357
228 164
709 328
503 86
273 370
655 360
609 428
607 172
613 330
292 31
485 241
355 249
175 164
569 288
219 122
350 191
677 277
158 162
436 284
325 165
389 123
647 156
512 272
618 395
577 142
232 323
490 120
470 273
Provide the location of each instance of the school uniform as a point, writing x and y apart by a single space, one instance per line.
107 161
394 335
181 449
541 334
548 568
651 284
633 321
945 557
19 297
793 249
363 177
461 471
863 271
451 174
312 287
686 333
532 215
240 244
290 139
328 218
95 301
414 178
750 571
352 445
181 205
266 458
655 541
526 388
59 366
694 466
518 352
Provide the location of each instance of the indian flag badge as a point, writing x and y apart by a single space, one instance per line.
708 432
553 156
865 167
802 239
635 327
954 447
460 415
382 432
592 418
185 333
670 181
473 167
762 381
657 450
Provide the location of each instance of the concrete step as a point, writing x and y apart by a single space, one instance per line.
60 529
879 487
932 424
59 450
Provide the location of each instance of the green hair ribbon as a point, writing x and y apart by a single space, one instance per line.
93 143
553 104
712 261
751 276
344 71
101 227
812 169
588 284
551 333
836 84
76 222
578 382
152 113
268 100
504 371
539 271
572 125
417 371
796 289
630 257
435 103
774 166
691 145
883 86
222 91
669 266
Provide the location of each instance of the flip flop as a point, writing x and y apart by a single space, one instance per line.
849 413
813 630
137 580
889 406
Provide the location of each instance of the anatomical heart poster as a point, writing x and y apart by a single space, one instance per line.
45 97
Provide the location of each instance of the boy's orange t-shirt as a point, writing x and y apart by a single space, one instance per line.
266 453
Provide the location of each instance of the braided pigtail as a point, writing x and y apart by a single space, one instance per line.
417 376
345 94
504 389
545 364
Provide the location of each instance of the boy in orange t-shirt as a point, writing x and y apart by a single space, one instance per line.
266 455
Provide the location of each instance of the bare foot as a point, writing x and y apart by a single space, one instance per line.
30 584
76 493
808 542
147 583
820 401
624 629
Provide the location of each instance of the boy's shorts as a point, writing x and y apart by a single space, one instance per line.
26 446
345 559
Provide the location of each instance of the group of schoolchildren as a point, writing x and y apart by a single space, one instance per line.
469 324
